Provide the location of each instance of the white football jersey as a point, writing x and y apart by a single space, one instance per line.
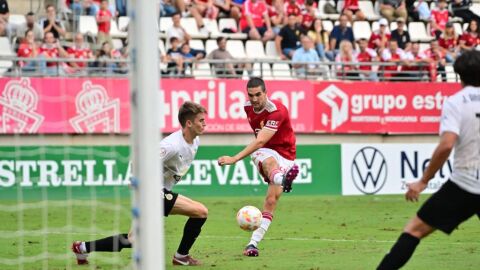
177 156
461 115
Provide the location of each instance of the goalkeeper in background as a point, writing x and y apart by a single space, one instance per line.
177 152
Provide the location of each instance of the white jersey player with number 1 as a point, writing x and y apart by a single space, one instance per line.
459 198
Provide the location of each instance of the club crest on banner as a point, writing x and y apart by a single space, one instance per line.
18 105
95 112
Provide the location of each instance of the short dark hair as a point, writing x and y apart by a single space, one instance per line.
220 39
172 39
189 111
176 13
30 13
256 82
49 6
467 66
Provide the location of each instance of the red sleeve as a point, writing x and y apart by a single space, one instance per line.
371 45
274 120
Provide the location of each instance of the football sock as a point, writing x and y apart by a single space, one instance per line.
258 234
192 229
111 243
400 253
276 176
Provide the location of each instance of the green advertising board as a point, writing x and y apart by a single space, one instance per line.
58 172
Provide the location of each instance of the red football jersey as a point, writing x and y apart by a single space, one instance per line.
447 43
79 53
351 5
366 56
26 51
470 40
104 27
376 36
440 17
274 117
50 52
291 9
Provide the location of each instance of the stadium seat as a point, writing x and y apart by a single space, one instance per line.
458 28
165 23
254 49
115 32
212 27
327 25
361 29
271 50
5 50
393 26
123 22
117 43
230 23
210 45
88 24
321 12
161 47
262 70
236 49
451 76
475 8
281 71
190 26
197 44
202 71
17 19
368 10
418 32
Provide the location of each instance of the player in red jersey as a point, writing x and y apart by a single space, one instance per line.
273 152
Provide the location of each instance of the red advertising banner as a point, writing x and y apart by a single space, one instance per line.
363 107
80 105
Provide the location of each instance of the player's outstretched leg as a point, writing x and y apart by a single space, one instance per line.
288 178
109 244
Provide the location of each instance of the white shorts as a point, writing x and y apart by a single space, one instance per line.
263 153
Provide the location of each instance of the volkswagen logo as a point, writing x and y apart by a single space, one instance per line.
369 170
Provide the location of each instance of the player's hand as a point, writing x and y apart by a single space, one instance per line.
226 160
414 190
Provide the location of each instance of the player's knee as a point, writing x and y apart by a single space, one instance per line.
202 211
417 228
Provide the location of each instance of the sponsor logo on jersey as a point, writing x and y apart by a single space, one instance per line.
369 170
18 105
95 112
337 100
272 124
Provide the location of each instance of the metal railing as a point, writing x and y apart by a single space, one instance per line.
11 66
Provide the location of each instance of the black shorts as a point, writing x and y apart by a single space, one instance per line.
261 30
449 207
169 199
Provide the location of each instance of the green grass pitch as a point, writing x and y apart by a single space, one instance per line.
308 232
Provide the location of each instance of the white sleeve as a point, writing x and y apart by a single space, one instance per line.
167 151
451 118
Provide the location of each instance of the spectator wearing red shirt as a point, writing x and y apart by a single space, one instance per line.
351 8
79 50
292 8
29 49
366 55
308 14
439 19
255 21
378 40
448 41
437 58
395 56
104 18
276 15
51 49
470 38
417 63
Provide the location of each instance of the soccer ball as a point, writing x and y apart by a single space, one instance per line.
249 218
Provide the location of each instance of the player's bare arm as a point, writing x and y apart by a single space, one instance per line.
263 136
440 155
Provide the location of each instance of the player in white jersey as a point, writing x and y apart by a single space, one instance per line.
459 198
177 152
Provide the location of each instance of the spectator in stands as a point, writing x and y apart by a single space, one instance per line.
439 19
175 58
292 8
29 49
79 50
395 56
448 41
227 69
366 55
308 15
345 59
437 58
276 15
401 36
392 9
237 9
379 39
255 21
121 7
169 7
104 17
203 9
177 30
105 59
51 50
470 38
288 40
30 24
351 8
224 6
320 38
4 11
417 64
303 55
52 24
339 33
461 8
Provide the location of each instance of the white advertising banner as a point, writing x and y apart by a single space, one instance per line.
386 168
